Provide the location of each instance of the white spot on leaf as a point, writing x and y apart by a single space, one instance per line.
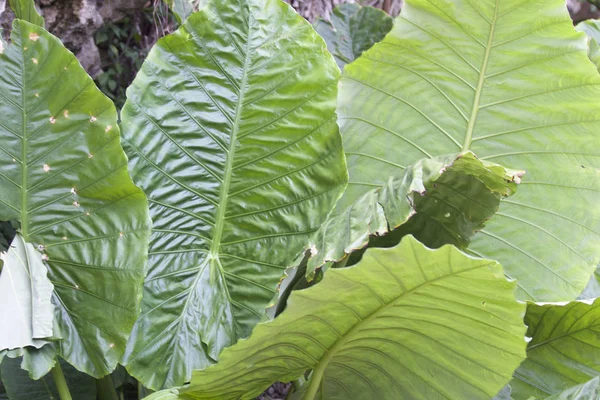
93 119
35 61
34 36
46 168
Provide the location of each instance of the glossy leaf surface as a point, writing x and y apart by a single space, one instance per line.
64 178
352 30
404 323
511 81
564 349
439 201
231 132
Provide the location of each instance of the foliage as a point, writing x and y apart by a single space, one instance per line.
386 289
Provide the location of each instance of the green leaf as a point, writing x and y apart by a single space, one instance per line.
352 30
231 132
511 81
592 290
38 362
439 201
25 295
592 29
25 10
586 391
64 178
405 323
564 349
182 9
20 387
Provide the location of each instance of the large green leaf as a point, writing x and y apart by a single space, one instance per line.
231 132
20 387
25 295
564 349
64 179
25 10
511 81
439 201
184 8
405 323
352 30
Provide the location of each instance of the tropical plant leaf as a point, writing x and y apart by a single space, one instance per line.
19 386
592 29
241 162
440 201
64 178
511 81
564 349
586 391
183 8
352 30
404 323
25 295
25 10
592 290
37 362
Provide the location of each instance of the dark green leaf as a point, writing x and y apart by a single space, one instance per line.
511 81
352 30
405 323
64 178
231 131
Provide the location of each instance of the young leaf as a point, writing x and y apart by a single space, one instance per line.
564 349
352 30
64 178
439 201
20 387
511 81
404 323
25 10
25 295
231 131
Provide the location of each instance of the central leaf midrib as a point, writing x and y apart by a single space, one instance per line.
24 219
477 99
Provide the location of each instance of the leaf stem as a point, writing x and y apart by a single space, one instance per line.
61 383
106 388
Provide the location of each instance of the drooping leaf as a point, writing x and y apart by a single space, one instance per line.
19 386
231 132
37 362
25 10
405 323
64 178
352 30
511 81
589 390
27 311
592 29
439 201
564 349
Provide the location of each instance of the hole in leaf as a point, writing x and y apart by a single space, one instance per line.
7 234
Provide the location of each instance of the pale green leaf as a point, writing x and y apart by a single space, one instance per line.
231 132
564 349
64 179
25 295
353 29
25 10
589 390
404 323
511 81
592 29
592 290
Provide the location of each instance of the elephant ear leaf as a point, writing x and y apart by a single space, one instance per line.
64 183
231 131
352 30
564 349
25 295
25 10
510 81
404 323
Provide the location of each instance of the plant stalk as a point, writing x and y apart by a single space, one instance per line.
61 383
106 389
